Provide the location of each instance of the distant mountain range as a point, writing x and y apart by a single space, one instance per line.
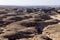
13 6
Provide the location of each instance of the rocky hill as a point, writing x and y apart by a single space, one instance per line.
29 24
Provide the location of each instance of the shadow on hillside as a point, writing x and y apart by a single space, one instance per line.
42 25
19 35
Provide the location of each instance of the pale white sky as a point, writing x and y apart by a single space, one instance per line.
29 2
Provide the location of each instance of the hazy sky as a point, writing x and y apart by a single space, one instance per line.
29 2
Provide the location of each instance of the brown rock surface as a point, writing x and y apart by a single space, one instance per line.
52 31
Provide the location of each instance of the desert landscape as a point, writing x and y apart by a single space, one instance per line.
29 23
